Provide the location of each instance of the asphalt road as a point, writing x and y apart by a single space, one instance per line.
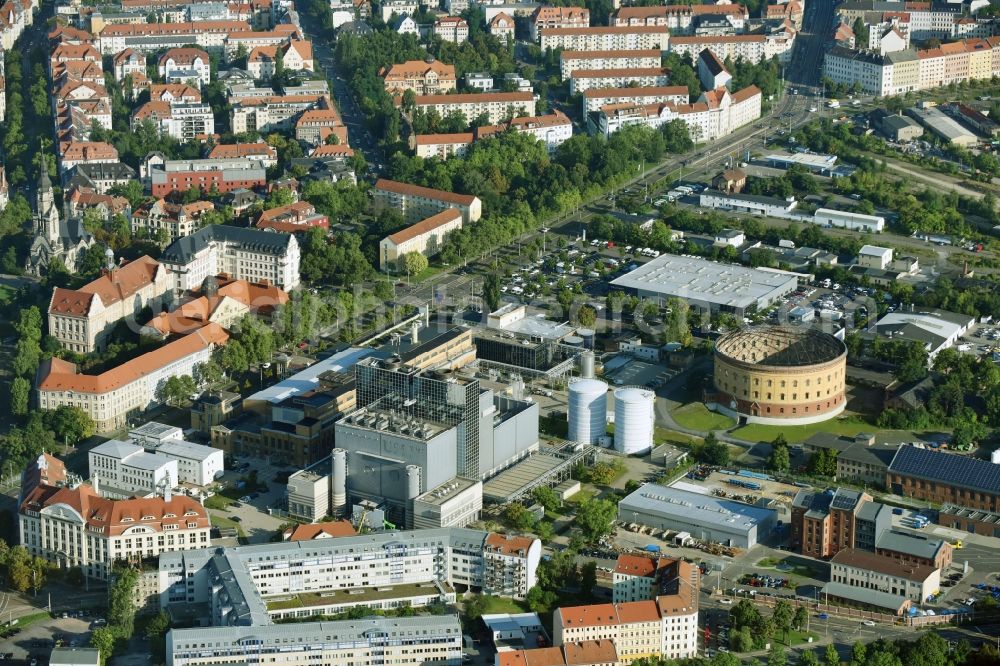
810 44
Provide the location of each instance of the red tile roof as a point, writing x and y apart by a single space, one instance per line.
406 189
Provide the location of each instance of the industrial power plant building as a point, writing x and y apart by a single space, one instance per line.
708 284
703 516
779 375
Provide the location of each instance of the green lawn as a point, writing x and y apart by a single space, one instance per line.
756 432
6 294
499 605
697 417
218 502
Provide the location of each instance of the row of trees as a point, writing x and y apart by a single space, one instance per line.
121 613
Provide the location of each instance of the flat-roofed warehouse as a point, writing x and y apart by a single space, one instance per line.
705 517
708 284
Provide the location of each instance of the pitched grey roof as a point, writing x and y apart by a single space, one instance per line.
910 544
183 250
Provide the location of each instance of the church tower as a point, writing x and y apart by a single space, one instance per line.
46 213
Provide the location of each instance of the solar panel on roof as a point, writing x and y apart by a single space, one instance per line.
947 468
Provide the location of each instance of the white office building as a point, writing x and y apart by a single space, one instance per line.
125 469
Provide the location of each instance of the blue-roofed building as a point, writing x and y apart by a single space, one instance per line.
945 478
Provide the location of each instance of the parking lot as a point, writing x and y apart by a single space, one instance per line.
37 640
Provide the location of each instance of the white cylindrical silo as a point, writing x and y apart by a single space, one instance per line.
338 482
634 420
588 410
412 481
586 360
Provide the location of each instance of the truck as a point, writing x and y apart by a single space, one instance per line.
834 104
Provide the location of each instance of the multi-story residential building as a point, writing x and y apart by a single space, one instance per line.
246 42
353 565
587 79
595 98
296 55
418 203
82 319
424 77
571 61
172 220
126 470
624 38
249 151
100 177
174 93
665 627
243 254
552 130
126 390
278 113
824 524
640 578
152 37
752 48
76 527
712 71
496 107
411 640
859 568
451 29
183 65
425 237
398 7
442 146
75 153
583 653
184 122
164 176
501 26
681 19
510 564
547 18
128 63
292 218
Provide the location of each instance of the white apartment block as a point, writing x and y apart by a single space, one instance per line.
570 61
82 319
716 114
425 237
587 79
495 106
76 527
442 146
410 640
111 397
681 19
859 568
268 113
418 203
243 254
125 469
153 37
606 38
752 48
352 564
188 122
184 65
451 29
595 98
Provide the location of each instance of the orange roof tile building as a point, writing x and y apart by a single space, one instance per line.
82 319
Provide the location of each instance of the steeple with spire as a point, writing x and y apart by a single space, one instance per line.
46 212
